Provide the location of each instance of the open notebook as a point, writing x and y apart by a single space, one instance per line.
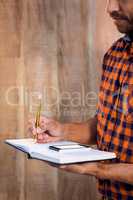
63 152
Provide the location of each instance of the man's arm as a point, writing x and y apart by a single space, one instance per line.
51 130
81 132
117 172
121 172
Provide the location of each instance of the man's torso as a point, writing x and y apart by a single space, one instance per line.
115 112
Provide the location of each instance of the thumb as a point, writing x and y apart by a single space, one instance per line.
39 130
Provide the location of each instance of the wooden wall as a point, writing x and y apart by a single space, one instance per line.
53 47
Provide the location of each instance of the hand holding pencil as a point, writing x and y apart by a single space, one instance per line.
45 129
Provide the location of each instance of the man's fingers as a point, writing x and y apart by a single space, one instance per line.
73 168
48 130
45 123
46 138
42 136
53 139
44 119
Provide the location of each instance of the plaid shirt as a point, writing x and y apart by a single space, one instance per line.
115 113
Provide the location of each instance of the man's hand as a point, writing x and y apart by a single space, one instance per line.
84 169
50 130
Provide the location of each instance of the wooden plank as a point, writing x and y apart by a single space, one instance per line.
10 23
40 44
40 63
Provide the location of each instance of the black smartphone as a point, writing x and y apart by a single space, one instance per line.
60 147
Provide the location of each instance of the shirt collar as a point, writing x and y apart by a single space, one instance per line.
126 38
129 41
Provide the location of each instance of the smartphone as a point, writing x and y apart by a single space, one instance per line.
60 147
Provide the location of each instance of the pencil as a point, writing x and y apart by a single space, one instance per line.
38 114
37 119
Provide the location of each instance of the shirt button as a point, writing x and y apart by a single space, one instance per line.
102 114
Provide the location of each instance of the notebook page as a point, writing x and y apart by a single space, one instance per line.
87 154
22 144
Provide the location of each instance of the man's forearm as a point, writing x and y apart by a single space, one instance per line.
117 172
81 132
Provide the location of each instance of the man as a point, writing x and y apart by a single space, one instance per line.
112 127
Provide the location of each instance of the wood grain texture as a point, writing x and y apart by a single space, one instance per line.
54 48
10 23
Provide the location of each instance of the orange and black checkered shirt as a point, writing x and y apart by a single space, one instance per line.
115 113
